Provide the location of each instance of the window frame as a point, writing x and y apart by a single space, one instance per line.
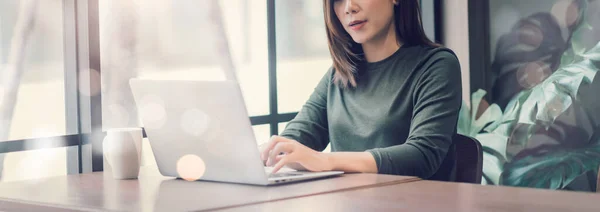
479 46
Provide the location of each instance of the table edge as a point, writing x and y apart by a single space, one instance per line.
395 182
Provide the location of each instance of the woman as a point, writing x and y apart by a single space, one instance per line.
388 105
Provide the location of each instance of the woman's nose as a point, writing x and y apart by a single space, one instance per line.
351 7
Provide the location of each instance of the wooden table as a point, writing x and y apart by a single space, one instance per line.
153 192
438 196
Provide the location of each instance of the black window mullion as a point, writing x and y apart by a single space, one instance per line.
285 117
479 46
39 143
438 21
88 76
96 100
272 49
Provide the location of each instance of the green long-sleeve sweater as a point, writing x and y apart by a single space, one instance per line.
403 111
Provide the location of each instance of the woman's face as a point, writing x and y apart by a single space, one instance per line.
365 20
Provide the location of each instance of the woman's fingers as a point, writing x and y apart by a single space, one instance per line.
268 153
285 147
268 147
280 164
262 148
277 158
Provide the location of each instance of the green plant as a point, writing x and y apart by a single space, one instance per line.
494 144
552 166
536 107
553 169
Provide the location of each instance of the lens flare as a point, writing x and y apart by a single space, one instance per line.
532 74
195 122
531 36
152 111
566 12
190 167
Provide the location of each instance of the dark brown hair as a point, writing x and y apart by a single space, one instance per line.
346 54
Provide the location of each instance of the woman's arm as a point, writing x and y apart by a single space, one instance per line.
437 101
352 162
310 126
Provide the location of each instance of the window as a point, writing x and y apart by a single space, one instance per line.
181 40
302 52
32 63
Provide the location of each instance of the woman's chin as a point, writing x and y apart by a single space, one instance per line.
359 39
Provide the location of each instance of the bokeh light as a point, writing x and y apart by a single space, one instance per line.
190 167
86 88
532 74
566 12
554 106
152 112
531 35
195 122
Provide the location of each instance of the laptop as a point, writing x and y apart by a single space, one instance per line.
207 124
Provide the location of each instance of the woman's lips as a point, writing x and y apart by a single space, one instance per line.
357 25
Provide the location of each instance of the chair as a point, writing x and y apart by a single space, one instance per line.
469 159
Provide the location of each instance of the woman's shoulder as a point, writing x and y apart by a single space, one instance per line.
435 55
434 63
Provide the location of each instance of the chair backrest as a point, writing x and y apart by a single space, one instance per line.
469 159
598 181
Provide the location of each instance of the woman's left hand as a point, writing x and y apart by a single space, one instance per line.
282 151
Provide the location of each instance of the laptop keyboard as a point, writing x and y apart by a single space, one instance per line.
282 174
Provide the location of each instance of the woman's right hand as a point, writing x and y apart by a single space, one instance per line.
280 151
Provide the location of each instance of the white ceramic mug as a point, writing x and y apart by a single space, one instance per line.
123 151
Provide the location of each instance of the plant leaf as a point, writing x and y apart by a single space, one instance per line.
510 117
567 58
464 121
593 54
467 125
494 155
492 168
476 98
585 69
484 181
554 169
494 142
492 114
554 95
